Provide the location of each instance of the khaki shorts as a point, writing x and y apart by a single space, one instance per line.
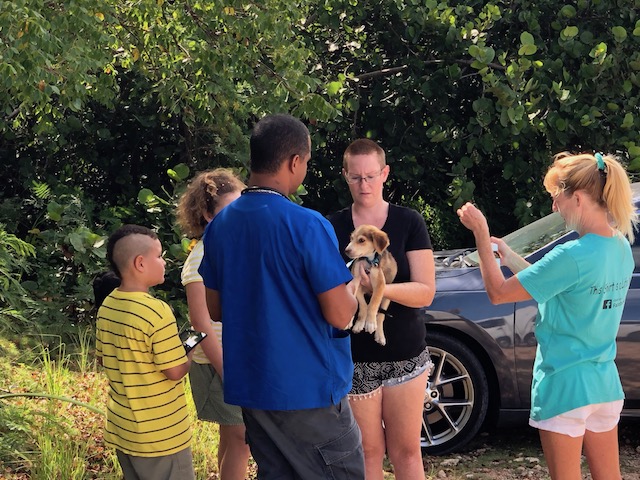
597 418
206 388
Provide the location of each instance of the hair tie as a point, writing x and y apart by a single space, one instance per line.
599 161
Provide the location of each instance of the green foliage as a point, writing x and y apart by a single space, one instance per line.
441 231
108 108
68 233
14 303
471 100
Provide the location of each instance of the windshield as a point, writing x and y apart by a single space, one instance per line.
530 238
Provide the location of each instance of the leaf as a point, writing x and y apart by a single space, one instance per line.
634 150
526 38
146 197
41 190
76 104
54 211
628 121
175 250
77 242
333 88
488 54
527 50
182 171
635 164
568 11
569 33
619 34
186 245
599 51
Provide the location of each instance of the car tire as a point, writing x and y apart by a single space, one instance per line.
456 398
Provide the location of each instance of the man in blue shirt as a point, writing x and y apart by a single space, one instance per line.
275 278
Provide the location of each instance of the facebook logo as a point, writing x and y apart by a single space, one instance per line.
607 304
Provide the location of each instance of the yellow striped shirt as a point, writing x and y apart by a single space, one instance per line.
137 338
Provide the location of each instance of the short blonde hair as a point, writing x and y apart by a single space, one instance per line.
610 187
201 198
363 146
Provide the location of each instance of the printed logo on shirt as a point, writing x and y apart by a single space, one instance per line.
610 287
612 303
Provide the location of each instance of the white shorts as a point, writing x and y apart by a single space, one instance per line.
597 418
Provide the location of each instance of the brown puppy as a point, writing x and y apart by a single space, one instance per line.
368 247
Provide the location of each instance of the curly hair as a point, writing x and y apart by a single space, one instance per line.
201 198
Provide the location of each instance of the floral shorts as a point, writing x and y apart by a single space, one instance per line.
370 377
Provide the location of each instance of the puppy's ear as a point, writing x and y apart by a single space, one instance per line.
380 240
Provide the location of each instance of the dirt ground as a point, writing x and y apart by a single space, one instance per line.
515 453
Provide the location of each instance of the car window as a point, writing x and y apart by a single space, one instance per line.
532 237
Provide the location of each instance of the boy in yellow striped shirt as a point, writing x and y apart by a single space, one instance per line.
138 345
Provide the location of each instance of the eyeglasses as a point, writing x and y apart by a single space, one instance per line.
352 179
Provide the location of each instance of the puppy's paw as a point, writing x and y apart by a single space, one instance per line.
370 326
358 326
380 338
371 322
349 325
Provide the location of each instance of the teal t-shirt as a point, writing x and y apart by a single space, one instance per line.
580 287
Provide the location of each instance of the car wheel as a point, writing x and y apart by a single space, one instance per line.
457 396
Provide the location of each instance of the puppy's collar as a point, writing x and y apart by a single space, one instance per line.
374 262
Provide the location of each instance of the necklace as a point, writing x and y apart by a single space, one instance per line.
272 191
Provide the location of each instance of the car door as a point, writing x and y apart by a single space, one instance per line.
628 357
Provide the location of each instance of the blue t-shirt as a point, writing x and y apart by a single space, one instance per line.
269 259
581 288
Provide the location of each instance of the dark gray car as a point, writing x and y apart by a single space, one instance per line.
484 353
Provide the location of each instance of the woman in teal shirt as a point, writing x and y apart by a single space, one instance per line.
580 286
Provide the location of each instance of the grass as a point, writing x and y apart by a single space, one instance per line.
52 401
52 405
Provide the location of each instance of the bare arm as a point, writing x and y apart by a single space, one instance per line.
201 321
421 288
179 371
338 305
508 257
498 289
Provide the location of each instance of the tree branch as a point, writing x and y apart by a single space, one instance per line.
385 72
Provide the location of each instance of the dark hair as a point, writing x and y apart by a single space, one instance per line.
119 234
276 138
103 285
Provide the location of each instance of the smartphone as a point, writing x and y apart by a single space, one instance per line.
191 338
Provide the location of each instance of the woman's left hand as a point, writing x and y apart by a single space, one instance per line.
472 218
